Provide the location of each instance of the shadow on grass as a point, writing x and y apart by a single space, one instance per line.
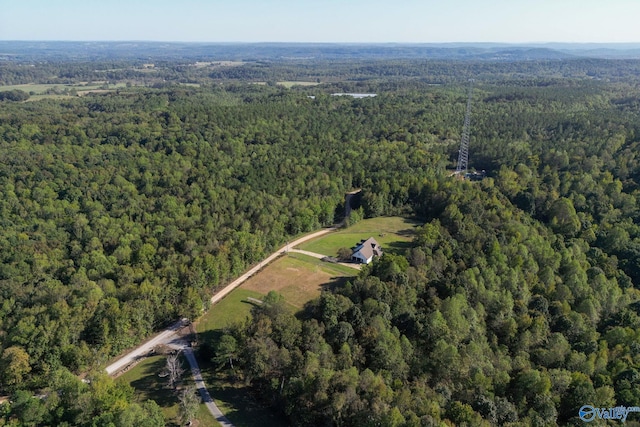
397 248
245 409
335 283
238 401
151 386
251 303
407 232
307 312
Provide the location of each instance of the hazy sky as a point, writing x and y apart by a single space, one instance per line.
515 21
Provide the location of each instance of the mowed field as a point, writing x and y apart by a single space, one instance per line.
298 278
232 309
394 234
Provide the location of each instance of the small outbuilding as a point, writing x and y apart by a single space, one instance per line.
365 251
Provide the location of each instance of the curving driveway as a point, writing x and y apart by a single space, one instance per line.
171 337
202 388
283 250
320 256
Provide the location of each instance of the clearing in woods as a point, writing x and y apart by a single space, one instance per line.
298 278
290 84
57 91
394 234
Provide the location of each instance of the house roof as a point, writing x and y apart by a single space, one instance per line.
368 248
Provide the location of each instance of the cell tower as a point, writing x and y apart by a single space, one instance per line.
463 154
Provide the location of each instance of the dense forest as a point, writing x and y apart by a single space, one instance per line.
517 304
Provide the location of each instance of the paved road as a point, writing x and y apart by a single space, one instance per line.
170 334
166 337
183 346
202 388
320 256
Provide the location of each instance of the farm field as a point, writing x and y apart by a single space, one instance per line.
392 233
290 84
41 91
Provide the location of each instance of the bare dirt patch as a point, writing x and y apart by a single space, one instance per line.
297 279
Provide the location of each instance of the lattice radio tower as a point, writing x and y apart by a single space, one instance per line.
463 154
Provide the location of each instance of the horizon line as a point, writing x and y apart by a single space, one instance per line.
319 42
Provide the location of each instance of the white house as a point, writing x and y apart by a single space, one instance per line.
364 251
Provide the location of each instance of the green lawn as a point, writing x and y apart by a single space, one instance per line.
148 385
233 398
394 234
232 309
327 267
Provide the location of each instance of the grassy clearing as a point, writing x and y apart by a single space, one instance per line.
35 88
39 89
232 309
393 233
233 398
290 84
148 385
149 367
62 91
298 278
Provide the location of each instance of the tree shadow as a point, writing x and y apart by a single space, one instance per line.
307 311
335 283
253 304
243 405
397 248
153 387
207 343
407 232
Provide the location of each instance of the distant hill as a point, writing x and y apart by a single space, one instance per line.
82 51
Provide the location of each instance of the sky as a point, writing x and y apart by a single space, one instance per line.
351 21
